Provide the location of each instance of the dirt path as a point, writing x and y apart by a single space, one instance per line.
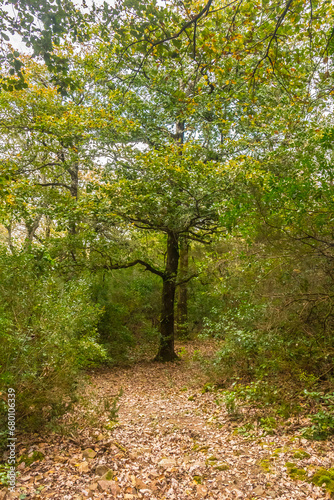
171 442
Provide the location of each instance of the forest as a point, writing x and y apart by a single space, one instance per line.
167 241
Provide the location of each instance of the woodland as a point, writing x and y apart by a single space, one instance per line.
166 212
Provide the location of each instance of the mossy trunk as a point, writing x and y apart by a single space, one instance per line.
166 348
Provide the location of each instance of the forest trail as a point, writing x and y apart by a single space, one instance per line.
172 441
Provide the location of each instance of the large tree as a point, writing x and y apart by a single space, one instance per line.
190 79
173 195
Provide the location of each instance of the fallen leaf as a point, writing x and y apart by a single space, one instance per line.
89 453
83 467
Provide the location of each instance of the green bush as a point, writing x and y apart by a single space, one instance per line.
275 318
130 303
48 334
322 420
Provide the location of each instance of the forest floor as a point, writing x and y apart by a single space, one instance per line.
171 441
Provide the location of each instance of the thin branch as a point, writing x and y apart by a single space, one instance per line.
178 283
278 24
53 184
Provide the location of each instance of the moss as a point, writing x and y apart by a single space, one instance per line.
265 464
324 477
221 466
198 447
111 425
4 469
300 454
296 473
211 461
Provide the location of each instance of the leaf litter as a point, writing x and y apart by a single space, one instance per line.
170 441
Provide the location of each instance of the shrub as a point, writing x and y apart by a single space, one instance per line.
48 334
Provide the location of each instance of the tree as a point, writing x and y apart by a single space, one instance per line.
48 149
184 84
170 194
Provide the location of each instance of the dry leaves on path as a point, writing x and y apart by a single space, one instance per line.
171 442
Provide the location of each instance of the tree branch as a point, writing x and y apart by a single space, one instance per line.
54 184
278 24
182 282
134 263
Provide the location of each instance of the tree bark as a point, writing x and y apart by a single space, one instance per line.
9 238
166 348
182 301
180 134
31 230
74 173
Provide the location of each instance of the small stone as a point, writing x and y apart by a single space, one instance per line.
101 470
21 466
89 453
93 487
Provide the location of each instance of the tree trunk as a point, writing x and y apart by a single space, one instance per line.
31 230
166 347
180 134
74 173
9 238
182 301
